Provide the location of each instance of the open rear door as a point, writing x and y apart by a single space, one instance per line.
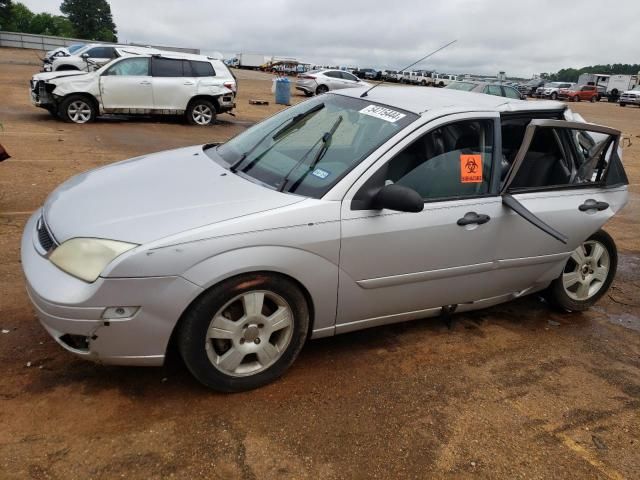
562 156
565 183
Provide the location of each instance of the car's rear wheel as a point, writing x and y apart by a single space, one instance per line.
587 274
576 98
594 99
321 89
554 96
78 109
201 112
245 332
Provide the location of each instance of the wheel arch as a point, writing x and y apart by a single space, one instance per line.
211 98
284 262
86 95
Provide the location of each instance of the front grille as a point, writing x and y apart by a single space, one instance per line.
44 237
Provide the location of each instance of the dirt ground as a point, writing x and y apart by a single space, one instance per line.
515 391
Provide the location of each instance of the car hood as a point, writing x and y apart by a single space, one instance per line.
631 92
61 74
151 197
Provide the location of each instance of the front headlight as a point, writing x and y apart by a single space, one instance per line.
86 258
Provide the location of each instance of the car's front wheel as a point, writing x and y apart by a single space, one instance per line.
245 332
201 112
554 96
576 98
321 89
587 274
78 109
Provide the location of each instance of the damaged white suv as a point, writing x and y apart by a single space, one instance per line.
168 83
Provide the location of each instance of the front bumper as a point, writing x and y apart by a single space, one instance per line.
630 100
68 307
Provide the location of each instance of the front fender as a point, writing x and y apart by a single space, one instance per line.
316 274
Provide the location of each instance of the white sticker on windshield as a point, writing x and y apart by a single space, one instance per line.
320 173
383 113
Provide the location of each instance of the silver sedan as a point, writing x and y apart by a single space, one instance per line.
348 211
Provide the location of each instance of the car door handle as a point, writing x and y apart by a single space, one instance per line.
471 218
188 83
592 204
145 82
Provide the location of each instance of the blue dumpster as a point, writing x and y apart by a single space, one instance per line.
283 91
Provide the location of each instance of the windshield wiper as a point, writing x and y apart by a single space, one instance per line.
326 141
289 123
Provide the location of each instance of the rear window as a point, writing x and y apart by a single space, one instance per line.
202 69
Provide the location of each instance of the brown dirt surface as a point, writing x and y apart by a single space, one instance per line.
514 391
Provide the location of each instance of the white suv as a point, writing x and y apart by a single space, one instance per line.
92 56
169 83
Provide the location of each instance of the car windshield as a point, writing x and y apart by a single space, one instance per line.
637 87
466 86
308 148
74 48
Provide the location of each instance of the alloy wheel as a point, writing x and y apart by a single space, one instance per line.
249 333
586 271
202 114
79 111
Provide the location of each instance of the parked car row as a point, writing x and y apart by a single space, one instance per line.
137 80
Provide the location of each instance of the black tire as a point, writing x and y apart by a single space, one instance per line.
78 103
201 112
192 334
554 96
321 89
308 94
623 104
576 98
557 294
594 99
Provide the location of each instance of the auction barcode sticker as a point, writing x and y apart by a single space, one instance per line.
382 113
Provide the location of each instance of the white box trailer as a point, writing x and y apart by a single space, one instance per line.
251 60
619 84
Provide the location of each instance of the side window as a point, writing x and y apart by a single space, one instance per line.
511 93
167 67
493 90
348 76
449 162
130 66
202 69
101 52
560 157
333 74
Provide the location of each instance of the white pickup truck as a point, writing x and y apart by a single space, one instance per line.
169 83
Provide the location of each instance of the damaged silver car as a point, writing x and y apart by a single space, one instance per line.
347 211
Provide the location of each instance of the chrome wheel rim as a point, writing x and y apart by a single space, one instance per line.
79 111
202 115
249 333
586 271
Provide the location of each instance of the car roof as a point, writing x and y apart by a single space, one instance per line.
423 100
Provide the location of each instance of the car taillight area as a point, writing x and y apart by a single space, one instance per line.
231 86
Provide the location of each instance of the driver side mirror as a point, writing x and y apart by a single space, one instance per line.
85 55
398 198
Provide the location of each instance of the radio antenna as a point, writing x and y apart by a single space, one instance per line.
414 63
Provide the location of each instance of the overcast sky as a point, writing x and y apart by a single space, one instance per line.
517 36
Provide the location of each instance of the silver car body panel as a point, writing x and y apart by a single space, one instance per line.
197 224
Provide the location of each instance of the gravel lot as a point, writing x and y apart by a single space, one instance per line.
515 391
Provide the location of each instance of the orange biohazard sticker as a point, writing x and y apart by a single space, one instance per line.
471 168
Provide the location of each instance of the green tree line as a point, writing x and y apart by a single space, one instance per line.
572 74
86 19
